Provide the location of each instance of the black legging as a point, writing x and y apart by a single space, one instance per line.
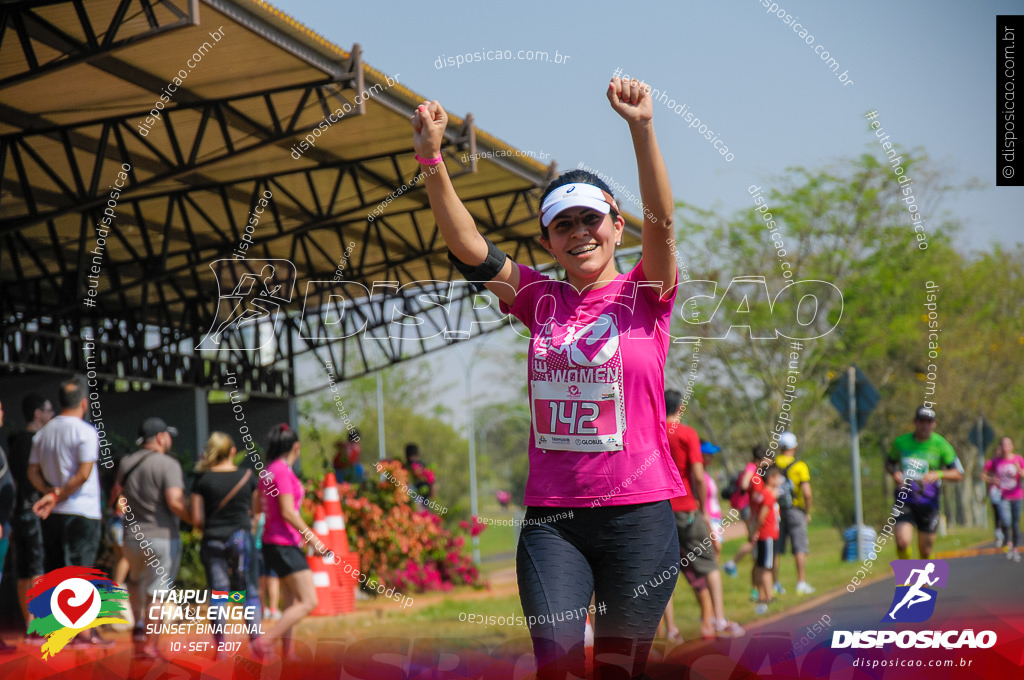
606 552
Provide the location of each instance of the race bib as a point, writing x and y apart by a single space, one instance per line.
576 416
914 468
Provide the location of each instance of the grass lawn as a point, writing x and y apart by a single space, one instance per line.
437 615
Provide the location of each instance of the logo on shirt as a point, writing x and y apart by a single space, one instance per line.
70 600
594 344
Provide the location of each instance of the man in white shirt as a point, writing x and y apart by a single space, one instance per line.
62 466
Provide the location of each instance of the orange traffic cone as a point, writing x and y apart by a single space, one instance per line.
322 563
335 520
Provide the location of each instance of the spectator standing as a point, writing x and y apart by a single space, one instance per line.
692 526
62 467
708 451
154 493
224 497
7 503
794 499
764 530
26 527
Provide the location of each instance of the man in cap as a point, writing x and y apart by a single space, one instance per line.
794 499
153 487
923 460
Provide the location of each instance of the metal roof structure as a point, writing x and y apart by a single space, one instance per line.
136 141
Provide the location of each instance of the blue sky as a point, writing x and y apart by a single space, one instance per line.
928 68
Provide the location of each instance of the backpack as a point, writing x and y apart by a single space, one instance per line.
787 490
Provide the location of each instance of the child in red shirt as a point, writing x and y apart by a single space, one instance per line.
764 529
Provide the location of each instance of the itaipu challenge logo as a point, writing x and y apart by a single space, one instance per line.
69 600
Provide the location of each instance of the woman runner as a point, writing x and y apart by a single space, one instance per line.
1006 471
596 369
282 540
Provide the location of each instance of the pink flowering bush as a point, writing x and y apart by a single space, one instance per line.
399 543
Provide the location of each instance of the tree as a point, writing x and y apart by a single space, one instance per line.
848 225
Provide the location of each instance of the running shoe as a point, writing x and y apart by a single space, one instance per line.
804 588
999 538
761 608
1016 556
730 568
754 595
729 629
779 590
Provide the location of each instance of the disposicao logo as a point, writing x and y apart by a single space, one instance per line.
69 600
913 602
916 577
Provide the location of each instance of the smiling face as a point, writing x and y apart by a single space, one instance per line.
582 240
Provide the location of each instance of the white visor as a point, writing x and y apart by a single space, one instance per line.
574 196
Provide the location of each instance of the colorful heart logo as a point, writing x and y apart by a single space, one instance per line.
74 612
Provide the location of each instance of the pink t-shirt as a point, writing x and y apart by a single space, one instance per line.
714 506
1005 472
277 530
597 391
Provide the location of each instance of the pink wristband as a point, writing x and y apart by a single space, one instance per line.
429 161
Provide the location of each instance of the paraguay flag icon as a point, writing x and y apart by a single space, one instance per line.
69 600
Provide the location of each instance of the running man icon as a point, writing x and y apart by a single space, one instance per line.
254 298
916 580
914 594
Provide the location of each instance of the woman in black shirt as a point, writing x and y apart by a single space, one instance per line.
224 499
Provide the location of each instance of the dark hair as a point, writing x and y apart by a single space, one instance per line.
280 441
411 451
71 393
772 471
353 435
31 402
575 176
758 452
673 400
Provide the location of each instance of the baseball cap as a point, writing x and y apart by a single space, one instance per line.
709 448
151 427
924 413
575 195
787 440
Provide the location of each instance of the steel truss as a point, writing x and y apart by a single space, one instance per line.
159 300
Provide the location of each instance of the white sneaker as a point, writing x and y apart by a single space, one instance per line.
804 588
999 538
1016 556
761 608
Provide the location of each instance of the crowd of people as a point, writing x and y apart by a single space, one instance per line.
53 505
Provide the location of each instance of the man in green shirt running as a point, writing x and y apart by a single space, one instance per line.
927 459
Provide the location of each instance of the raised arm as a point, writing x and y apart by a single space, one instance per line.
632 100
457 226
